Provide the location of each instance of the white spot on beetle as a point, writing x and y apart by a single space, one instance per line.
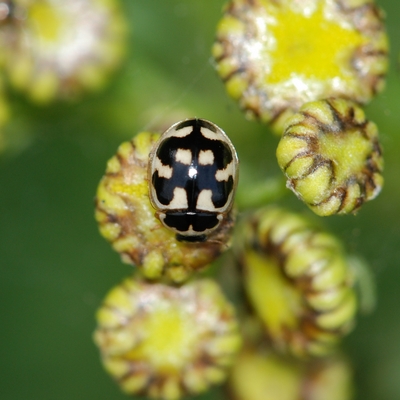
180 133
207 133
224 174
206 157
204 201
183 156
164 171
179 200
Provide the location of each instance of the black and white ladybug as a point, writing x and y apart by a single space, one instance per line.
193 173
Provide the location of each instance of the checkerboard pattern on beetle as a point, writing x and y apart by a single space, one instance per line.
193 173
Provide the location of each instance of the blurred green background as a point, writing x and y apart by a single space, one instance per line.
55 267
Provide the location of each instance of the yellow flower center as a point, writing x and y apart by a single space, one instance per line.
311 46
168 338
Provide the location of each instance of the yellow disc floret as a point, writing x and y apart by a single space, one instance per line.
305 37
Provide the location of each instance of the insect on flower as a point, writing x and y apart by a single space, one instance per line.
193 174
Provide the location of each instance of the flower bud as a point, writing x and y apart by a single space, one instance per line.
166 342
263 375
331 155
274 56
298 282
59 49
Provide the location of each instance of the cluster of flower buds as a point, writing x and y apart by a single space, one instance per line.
164 336
279 57
305 69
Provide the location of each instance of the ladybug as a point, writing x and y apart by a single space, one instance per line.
193 174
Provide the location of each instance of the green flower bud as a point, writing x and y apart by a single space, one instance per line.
60 49
331 155
127 219
166 342
274 56
262 375
329 379
298 282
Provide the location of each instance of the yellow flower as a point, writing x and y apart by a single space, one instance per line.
59 49
127 219
331 156
167 342
276 55
298 281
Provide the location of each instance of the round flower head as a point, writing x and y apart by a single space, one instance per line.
276 55
59 49
166 342
262 375
127 219
298 282
331 156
